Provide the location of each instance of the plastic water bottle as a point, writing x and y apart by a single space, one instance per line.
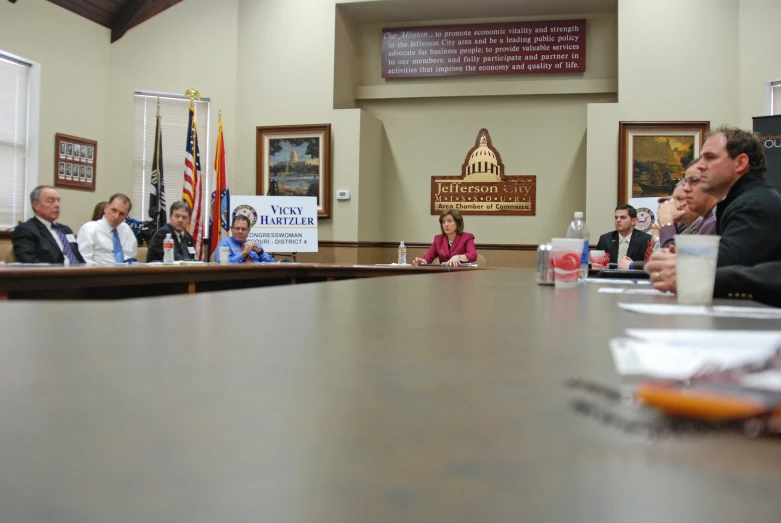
402 254
168 249
579 229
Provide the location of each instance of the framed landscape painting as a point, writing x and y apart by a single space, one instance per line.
654 155
652 158
295 160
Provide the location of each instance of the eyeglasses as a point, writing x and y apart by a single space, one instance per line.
239 229
691 182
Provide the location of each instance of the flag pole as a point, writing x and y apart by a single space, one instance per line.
158 106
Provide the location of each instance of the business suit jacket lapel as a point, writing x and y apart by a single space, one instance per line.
613 247
634 245
456 243
46 235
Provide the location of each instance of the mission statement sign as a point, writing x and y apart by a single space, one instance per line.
543 46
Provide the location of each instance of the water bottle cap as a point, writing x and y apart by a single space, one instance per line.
579 214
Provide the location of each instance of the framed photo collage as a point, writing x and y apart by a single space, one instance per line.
75 162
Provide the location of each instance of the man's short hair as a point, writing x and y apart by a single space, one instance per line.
240 217
122 198
691 163
743 142
35 195
181 205
627 207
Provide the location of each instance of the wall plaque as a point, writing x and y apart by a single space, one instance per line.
483 187
542 46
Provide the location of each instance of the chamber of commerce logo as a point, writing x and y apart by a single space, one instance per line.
645 219
247 211
483 187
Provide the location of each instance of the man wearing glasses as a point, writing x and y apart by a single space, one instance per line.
697 202
239 249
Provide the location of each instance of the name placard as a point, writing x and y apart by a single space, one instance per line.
279 223
542 46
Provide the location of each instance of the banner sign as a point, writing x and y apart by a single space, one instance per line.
279 223
483 188
769 130
543 46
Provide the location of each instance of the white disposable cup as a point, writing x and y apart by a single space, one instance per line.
224 254
695 267
597 260
567 253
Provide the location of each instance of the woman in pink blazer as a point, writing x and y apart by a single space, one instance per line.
454 246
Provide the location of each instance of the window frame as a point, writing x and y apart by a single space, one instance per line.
32 151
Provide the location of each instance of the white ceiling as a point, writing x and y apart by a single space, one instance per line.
379 11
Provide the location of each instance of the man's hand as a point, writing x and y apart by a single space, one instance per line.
246 249
655 231
661 267
454 261
669 212
624 263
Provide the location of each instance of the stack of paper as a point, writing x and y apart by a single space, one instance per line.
680 354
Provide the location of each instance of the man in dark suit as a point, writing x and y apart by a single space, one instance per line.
184 246
40 239
625 240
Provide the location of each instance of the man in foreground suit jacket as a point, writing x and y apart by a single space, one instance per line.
178 220
610 242
40 239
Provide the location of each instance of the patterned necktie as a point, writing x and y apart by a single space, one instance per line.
119 257
183 247
623 246
66 246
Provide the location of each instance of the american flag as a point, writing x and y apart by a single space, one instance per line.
192 191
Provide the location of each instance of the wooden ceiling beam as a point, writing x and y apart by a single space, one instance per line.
135 12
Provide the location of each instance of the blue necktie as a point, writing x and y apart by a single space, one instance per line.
66 246
118 256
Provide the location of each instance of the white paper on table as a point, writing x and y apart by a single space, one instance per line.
736 339
718 311
624 290
618 281
633 357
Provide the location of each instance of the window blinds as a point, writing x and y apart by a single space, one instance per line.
775 98
174 116
14 80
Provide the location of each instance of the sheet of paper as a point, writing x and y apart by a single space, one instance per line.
630 290
707 338
618 281
633 357
719 311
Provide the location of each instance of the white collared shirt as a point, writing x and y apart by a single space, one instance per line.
96 242
48 226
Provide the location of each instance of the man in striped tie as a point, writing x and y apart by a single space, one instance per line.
41 239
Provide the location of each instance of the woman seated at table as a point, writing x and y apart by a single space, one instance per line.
454 246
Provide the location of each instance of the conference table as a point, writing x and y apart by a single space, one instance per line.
19 281
418 398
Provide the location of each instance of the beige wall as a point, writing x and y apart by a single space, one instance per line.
759 22
74 56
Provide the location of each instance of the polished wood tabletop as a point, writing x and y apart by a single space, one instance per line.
423 398
19 281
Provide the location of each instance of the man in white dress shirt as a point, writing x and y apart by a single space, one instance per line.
109 240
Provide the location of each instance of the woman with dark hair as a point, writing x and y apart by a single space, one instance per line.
454 246
97 213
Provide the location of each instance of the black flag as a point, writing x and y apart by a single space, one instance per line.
157 189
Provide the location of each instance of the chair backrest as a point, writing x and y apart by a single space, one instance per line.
481 261
141 254
10 256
